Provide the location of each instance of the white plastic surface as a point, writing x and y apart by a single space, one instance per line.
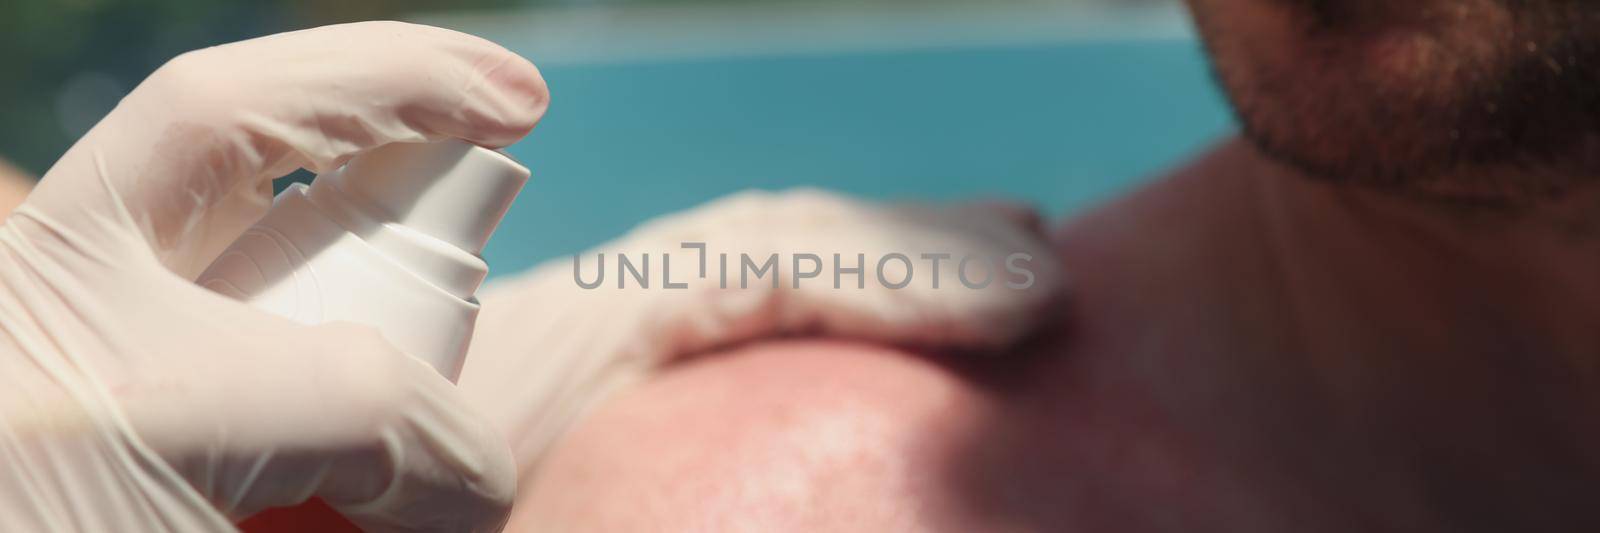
390 241
451 190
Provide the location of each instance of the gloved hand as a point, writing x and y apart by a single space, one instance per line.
132 400
546 349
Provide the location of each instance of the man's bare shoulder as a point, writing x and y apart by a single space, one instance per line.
801 435
840 436
1071 431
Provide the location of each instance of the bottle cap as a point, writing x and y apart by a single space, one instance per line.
450 190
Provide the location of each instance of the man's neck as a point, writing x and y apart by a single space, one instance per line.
1354 269
1530 263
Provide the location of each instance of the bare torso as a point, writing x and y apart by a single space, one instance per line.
1252 351
1244 351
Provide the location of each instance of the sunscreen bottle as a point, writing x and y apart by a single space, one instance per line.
390 240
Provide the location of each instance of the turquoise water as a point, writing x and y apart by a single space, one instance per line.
1061 126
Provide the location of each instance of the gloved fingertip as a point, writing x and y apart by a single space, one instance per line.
521 98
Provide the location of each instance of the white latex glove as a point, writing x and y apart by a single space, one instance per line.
546 349
131 400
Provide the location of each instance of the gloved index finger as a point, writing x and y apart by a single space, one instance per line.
184 163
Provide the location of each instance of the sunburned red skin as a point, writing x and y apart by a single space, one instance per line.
1245 351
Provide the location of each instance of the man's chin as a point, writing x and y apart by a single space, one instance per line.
1415 103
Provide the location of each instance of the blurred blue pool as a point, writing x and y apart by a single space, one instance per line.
1061 126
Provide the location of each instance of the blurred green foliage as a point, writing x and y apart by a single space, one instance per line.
47 47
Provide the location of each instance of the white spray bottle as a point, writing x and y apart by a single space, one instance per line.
390 240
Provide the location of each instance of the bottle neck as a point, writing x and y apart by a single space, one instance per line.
449 190
437 262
